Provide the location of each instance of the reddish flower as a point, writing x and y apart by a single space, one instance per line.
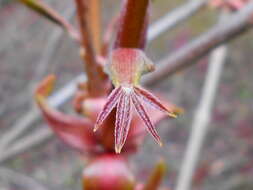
125 69
78 131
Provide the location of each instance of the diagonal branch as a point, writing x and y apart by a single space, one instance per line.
23 124
175 17
19 179
235 25
49 13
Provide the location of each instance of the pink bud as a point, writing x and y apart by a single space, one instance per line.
108 172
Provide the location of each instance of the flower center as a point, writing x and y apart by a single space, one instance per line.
127 89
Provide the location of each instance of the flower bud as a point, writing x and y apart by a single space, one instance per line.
108 172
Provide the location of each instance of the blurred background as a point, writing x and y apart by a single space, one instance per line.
31 48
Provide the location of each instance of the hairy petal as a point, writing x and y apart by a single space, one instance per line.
145 118
111 102
123 120
153 101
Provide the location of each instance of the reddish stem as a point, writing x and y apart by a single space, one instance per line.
95 23
96 78
131 32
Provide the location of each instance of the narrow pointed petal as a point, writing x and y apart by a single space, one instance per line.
119 121
155 102
111 102
123 120
145 118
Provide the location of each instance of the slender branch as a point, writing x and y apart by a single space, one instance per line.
174 17
96 78
24 122
41 135
235 25
19 127
201 118
46 11
132 24
8 175
51 47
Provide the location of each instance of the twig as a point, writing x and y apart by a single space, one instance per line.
22 124
238 181
20 179
27 142
27 120
50 50
44 10
175 17
201 118
185 57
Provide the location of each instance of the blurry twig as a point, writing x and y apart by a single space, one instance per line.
233 183
235 25
201 118
20 179
46 11
175 17
27 120
41 135
22 124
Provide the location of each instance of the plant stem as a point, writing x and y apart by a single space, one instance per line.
95 23
133 24
96 78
